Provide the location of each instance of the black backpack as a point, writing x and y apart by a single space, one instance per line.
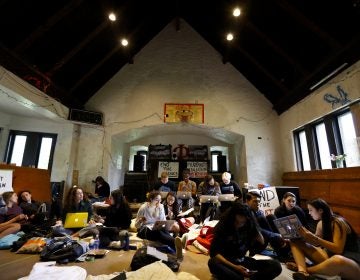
62 250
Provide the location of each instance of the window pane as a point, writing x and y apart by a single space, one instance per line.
18 150
45 151
214 165
323 146
348 138
304 151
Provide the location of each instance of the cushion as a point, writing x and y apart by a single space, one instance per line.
32 246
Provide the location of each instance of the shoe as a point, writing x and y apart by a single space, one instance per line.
301 275
184 239
178 247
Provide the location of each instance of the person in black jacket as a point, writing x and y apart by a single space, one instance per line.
102 188
235 234
119 213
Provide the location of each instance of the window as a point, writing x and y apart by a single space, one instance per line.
30 149
219 164
139 165
332 134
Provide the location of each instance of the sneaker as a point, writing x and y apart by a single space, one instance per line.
184 239
178 247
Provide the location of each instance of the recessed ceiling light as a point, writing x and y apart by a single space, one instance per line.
112 16
124 42
236 12
229 37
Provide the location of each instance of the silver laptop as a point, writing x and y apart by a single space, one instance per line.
208 198
183 195
288 226
158 225
226 197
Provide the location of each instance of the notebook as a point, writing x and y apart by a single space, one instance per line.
208 198
226 197
76 220
183 195
288 226
163 225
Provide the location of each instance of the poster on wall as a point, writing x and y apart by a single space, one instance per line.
171 167
6 177
198 169
199 152
269 200
189 113
159 151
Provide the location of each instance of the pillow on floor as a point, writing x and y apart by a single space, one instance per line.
32 246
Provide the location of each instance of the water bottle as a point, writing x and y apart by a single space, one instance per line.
96 242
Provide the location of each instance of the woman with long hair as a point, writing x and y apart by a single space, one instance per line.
235 234
334 236
148 214
288 207
119 213
77 202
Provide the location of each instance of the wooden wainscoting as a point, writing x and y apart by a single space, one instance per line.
340 187
35 180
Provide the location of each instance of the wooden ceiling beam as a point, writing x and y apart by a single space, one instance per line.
309 24
68 56
262 69
27 42
279 50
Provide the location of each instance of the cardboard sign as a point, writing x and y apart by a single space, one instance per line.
171 167
198 169
6 178
269 200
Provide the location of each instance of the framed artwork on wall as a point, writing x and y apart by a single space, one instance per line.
189 113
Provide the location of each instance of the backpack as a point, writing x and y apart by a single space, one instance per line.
62 250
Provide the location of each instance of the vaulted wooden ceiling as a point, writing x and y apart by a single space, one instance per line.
69 48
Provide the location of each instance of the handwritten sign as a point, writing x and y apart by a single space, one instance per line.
198 169
269 200
6 177
171 167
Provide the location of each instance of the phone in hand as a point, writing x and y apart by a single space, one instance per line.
251 271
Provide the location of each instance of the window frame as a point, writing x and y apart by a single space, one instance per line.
31 154
333 137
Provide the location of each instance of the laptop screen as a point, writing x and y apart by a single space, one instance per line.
288 226
76 220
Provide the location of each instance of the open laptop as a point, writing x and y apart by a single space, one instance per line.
163 225
226 197
183 195
76 220
288 227
208 198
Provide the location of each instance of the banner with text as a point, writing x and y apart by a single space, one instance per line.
198 169
269 200
171 167
6 177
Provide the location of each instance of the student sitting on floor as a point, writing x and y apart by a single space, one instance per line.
147 215
208 187
11 216
234 235
333 236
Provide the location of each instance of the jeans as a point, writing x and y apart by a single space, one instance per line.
266 269
163 236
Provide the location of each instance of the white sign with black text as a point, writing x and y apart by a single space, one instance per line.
198 169
171 167
269 200
6 178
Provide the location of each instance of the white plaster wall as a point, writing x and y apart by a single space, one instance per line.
63 143
314 107
181 67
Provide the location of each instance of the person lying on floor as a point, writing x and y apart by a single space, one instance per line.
11 216
234 235
333 236
150 212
